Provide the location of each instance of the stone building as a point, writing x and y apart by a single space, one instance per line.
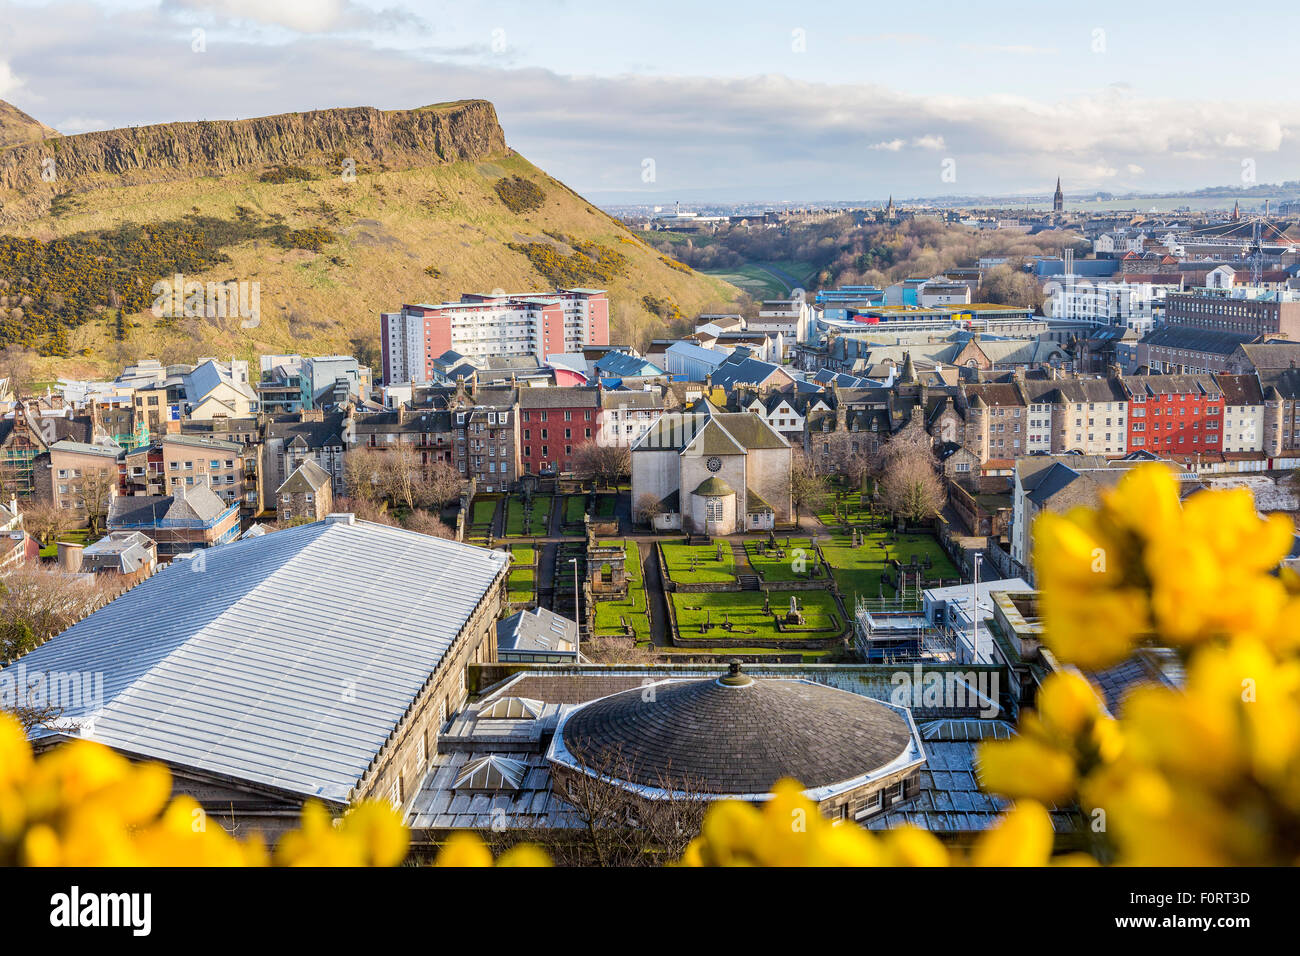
713 472
306 494
219 687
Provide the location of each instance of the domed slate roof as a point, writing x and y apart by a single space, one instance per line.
734 735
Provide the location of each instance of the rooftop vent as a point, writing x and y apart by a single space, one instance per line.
512 708
345 517
491 773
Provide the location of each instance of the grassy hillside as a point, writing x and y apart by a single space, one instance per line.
390 236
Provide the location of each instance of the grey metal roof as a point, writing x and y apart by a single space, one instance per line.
285 659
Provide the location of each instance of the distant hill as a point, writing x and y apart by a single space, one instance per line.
17 127
336 214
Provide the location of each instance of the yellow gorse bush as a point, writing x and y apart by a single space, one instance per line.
82 804
1208 774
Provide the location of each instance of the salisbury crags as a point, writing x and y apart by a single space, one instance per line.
394 139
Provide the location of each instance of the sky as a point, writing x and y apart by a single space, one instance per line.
654 102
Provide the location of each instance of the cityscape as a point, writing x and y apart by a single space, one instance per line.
461 485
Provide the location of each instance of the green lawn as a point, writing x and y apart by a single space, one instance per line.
540 522
744 609
854 509
79 536
633 608
605 505
484 509
521 584
523 554
772 568
857 570
707 570
575 508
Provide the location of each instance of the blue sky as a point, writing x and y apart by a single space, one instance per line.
771 101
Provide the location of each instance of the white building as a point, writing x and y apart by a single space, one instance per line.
790 317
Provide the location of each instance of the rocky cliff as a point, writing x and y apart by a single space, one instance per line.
392 139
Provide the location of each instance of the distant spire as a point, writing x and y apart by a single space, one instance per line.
1058 198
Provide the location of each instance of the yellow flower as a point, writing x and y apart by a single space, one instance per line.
1023 837
464 849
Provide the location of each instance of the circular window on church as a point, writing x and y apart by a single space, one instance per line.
714 464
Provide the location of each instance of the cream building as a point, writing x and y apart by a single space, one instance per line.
713 472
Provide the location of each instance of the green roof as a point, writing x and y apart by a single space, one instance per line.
750 430
714 487
754 503
712 439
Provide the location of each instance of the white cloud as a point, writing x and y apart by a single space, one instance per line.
767 136
9 83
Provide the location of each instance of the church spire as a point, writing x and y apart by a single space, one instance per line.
1058 198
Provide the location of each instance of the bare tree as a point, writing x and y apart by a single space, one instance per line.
43 520
16 369
428 523
617 828
93 495
365 510
647 508
850 456
602 463
617 650
808 485
363 474
910 488
442 484
36 604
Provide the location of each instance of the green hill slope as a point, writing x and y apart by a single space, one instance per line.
336 216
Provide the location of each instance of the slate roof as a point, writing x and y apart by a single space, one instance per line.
737 739
1188 338
713 439
538 630
308 476
130 549
241 670
197 503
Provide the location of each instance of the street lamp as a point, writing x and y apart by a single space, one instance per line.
974 612
577 614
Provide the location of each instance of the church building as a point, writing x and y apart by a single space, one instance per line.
713 472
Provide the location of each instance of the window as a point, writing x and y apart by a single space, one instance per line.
395 794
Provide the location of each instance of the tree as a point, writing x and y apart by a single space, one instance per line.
36 604
850 456
365 510
910 488
16 369
93 494
647 508
426 522
602 463
43 520
808 486
442 484
363 474
618 828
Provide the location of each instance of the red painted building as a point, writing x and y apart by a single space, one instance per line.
1174 414
553 424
